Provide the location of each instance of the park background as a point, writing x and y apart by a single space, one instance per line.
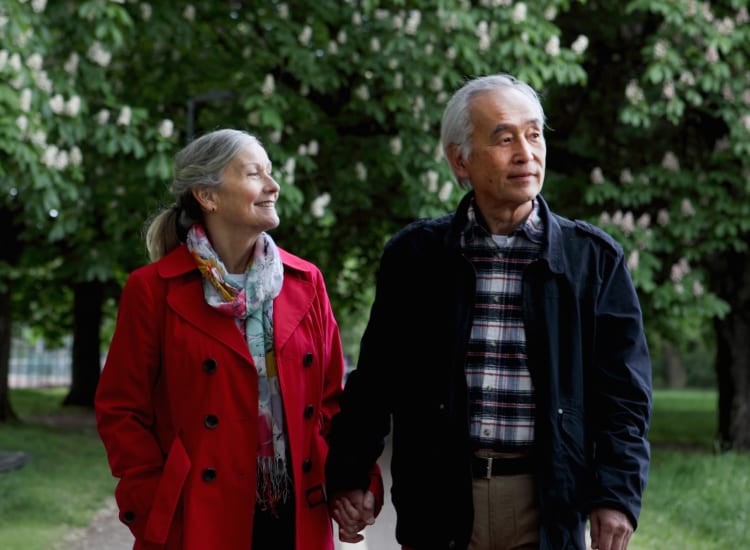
648 106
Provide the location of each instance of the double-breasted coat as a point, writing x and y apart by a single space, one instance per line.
177 407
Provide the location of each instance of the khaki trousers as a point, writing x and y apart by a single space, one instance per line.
505 514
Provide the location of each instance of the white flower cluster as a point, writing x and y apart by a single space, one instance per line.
319 204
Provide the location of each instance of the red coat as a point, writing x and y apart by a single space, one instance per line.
176 408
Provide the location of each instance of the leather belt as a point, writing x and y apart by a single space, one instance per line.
488 466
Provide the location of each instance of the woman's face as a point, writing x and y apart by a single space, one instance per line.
247 196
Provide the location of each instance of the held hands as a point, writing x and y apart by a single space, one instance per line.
353 511
610 529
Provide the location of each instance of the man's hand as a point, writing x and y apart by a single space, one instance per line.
353 511
610 529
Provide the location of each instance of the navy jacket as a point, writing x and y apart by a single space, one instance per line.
587 355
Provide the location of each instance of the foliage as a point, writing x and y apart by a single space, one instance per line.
347 98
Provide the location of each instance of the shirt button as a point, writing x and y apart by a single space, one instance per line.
209 366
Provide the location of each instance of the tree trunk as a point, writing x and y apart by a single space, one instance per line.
731 280
674 368
6 410
88 298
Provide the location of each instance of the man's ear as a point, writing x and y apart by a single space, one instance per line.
205 197
456 160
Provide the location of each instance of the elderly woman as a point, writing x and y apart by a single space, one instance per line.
224 370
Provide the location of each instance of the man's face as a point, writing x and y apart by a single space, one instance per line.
506 165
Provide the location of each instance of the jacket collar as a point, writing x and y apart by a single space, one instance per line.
552 244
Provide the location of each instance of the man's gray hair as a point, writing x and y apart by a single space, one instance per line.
456 125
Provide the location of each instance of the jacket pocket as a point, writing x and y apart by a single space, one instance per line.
168 493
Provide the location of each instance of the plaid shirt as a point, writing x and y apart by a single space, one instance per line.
501 393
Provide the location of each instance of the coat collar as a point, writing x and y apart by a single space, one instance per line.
185 298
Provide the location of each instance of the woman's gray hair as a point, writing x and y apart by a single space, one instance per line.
456 127
199 164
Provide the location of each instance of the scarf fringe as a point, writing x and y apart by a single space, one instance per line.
273 483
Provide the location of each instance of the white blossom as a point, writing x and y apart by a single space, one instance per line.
318 206
24 100
102 117
283 10
550 13
166 127
305 36
553 46
313 148
289 167
627 224
662 217
49 155
633 259
412 23
445 191
302 150
361 171
597 177
269 85
38 5
626 176
98 54
57 104
75 156
71 65
697 289
374 44
61 160
42 81
124 118
341 37
712 54
668 90
146 11
519 13
39 138
580 44
644 221
745 119
73 106
189 12
670 162
15 62
22 123
660 49
686 208
34 62
3 59
276 136
395 145
633 92
362 92
432 181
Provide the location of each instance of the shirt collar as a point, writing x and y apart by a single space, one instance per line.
532 227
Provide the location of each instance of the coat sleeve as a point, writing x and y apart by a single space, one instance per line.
124 401
622 395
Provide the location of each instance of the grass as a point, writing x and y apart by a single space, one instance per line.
63 484
695 499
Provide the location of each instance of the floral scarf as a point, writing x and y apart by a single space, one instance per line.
252 307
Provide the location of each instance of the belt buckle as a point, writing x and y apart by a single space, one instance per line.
488 473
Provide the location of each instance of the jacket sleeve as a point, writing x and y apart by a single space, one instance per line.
622 395
124 400
333 384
